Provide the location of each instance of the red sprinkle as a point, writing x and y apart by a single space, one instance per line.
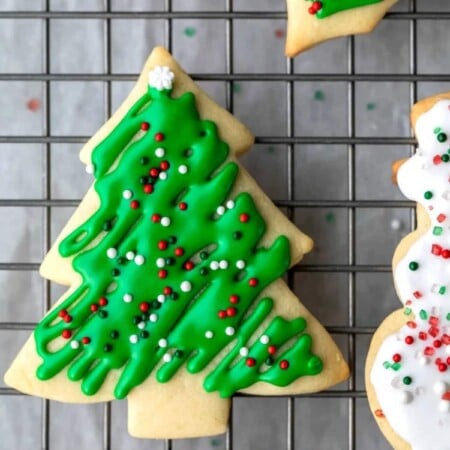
156 218
148 188
244 218
135 204
442 367
144 306
409 340
379 413
63 313
183 206
145 126
164 165
167 290
417 294
448 360
433 331
446 254
66 334
411 324
423 336
433 320
429 351
189 265
67 318
253 282
86 340
250 362
162 245
159 137
222 314
436 249
231 311
437 343
234 299
162 273
102 301
396 357
446 395
154 172
437 159
179 251
284 364
446 339
441 217
271 349
94 307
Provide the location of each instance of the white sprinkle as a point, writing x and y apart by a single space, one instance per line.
163 176
153 317
165 221
160 152
160 262
214 265
229 331
396 224
111 253
439 387
130 256
243 351
141 325
405 397
127 194
446 195
167 357
240 264
90 169
447 349
423 360
444 406
209 334
139 260
186 286
230 204
220 210
161 298
183 169
264 339
74 344
162 343
223 264
134 338
127 298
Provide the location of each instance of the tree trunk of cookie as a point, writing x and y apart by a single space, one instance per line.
177 409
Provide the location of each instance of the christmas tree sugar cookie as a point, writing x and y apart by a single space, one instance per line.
408 366
312 22
174 261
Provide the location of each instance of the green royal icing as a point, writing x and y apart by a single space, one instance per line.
326 8
135 324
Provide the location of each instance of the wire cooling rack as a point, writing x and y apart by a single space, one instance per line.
289 139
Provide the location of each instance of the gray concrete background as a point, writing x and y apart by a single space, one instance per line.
76 108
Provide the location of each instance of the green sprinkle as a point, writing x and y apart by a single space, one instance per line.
442 290
115 272
107 348
174 296
204 271
448 316
269 361
441 137
423 314
204 255
407 311
413 265
172 240
445 158
107 226
330 217
144 160
437 130
144 334
236 87
114 334
216 442
170 261
387 365
103 314
179 354
437 231
396 366
237 235
319 95
371 106
407 380
428 195
190 31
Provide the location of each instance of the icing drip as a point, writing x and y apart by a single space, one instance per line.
411 372
171 265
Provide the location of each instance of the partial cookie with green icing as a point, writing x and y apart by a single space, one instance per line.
174 263
312 22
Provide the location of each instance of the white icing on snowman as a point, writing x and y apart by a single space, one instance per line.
411 372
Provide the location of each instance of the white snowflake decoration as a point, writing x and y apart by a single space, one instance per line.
161 78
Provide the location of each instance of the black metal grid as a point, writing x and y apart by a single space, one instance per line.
289 139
